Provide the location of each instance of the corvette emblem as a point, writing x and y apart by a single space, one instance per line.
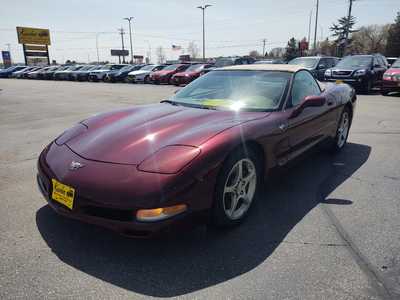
75 165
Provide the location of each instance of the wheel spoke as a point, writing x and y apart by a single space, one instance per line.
230 189
234 202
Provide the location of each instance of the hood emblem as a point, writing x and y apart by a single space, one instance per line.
75 165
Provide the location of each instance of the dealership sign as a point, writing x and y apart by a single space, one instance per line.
36 36
6 58
116 52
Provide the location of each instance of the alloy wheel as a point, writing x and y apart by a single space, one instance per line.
239 189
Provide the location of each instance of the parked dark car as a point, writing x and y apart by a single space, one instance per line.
202 153
49 74
8 72
317 65
391 79
25 74
364 72
83 73
65 74
230 61
19 74
165 75
190 74
121 74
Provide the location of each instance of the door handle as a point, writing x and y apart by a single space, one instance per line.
283 126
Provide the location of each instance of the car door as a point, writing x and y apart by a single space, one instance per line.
379 69
312 124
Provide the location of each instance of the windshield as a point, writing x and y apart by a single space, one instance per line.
355 62
396 64
147 68
171 68
224 62
306 62
117 67
252 90
194 68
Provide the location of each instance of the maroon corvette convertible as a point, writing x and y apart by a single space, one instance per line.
204 152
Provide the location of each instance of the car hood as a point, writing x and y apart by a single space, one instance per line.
139 72
186 74
162 73
131 135
393 71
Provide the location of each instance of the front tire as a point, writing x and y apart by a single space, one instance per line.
237 187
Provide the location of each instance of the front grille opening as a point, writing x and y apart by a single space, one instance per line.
108 213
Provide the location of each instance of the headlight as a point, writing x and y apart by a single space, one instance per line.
328 73
71 133
170 159
360 72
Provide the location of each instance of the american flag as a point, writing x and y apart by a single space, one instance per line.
176 47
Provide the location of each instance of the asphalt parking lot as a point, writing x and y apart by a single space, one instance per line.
327 228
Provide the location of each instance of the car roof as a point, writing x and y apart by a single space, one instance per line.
265 67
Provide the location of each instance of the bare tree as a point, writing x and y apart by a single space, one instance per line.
160 55
370 39
193 50
254 53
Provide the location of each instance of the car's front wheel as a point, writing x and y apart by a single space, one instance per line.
237 187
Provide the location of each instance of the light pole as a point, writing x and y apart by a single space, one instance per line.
149 51
129 19
203 8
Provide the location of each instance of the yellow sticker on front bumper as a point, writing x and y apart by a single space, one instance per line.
339 81
63 194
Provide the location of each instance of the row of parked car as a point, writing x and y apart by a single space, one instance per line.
364 72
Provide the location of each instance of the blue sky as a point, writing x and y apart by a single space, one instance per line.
232 27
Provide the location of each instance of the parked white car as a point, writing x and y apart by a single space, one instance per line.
99 74
143 75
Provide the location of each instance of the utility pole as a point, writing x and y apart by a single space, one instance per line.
316 27
122 32
203 8
348 25
264 42
130 36
309 29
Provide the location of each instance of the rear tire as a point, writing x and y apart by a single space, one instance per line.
237 187
342 131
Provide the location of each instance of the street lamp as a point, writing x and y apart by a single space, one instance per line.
203 8
130 36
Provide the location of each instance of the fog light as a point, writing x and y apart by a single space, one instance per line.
158 214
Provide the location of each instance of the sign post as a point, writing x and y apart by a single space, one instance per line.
35 42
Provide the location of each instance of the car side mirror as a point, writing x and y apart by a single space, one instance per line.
309 101
321 66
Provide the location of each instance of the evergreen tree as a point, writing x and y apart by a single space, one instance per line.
339 31
291 49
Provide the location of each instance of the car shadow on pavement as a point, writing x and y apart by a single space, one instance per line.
203 257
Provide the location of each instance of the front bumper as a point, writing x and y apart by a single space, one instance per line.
111 200
354 81
390 86
178 80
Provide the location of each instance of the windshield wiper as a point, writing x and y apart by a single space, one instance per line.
170 102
